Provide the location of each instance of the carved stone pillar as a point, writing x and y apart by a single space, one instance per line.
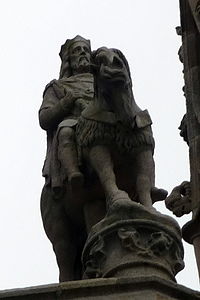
132 241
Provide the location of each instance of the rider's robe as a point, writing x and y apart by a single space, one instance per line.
54 114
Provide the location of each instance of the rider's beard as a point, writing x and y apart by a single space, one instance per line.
82 66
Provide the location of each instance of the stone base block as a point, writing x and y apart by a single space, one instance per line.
141 288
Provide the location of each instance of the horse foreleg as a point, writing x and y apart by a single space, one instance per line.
101 161
145 177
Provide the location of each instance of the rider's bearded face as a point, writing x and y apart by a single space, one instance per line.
80 57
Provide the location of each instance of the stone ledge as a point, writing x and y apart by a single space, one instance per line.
140 288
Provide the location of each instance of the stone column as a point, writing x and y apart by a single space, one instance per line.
190 24
132 241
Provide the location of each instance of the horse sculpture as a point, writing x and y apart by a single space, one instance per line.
115 146
114 126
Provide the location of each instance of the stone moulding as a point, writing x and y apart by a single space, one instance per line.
140 288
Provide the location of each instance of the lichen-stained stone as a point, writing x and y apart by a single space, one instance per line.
133 241
141 288
100 149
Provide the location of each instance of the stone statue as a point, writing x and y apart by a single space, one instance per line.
64 99
99 165
185 198
113 125
179 200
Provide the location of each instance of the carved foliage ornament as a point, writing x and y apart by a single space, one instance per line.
96 257
147 245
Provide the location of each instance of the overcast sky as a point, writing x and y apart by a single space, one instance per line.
32 32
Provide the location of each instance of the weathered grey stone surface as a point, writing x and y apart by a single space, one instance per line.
132 241
179 201
100 148
185 198
151 288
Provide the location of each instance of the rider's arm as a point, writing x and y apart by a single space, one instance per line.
53 110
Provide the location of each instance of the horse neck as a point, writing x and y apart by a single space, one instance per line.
119 99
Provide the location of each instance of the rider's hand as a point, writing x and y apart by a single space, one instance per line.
72 95
68 101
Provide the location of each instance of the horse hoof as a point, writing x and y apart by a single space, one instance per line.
158 194
119 198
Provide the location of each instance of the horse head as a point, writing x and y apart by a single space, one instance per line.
114 85
112 67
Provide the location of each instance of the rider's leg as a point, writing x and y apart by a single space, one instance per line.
67 155
145 177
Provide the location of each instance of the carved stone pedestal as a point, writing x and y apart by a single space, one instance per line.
142 288
132 241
